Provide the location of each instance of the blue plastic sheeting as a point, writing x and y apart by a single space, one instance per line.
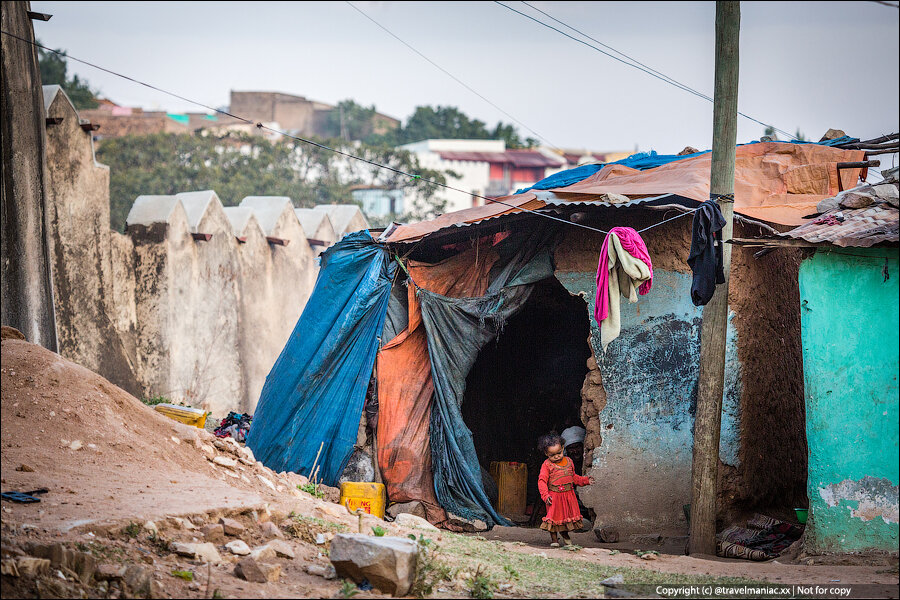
457 329
642 161
316 390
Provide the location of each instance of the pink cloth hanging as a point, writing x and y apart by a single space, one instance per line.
633 244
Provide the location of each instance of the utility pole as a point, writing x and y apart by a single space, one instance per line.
708 417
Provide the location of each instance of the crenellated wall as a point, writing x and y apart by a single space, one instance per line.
195 301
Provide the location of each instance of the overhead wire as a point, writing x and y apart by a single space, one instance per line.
321 146
635 64
451 75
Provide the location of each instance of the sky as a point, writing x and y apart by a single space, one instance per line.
803 65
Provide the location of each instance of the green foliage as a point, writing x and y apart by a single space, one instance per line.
511 573
156 400
799 136
312 489
614 552
348 589
429 569
132 530
379 531
641 553
186 575
54 69
429 122
238 165
482 584
350 121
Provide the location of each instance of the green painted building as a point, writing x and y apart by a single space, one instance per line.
849 325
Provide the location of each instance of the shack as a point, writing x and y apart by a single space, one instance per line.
473 334
848 283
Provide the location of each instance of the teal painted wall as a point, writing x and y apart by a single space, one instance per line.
849 324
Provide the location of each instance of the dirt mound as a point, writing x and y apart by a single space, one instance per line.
103 455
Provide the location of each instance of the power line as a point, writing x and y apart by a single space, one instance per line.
635 64
451 75
259 125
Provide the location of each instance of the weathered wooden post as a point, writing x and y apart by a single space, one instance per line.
708 418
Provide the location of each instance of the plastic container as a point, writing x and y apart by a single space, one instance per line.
802 515
370 497
512 482
185 414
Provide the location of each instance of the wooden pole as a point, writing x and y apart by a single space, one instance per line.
708 418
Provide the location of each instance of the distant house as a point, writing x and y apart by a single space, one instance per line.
378 201
485 168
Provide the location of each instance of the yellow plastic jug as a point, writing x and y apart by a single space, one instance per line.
370 497
185 414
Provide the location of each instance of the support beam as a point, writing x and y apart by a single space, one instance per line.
708 417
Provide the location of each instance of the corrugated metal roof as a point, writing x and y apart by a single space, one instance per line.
861 227
517 158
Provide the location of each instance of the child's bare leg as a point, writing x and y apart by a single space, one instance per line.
565 537
554 539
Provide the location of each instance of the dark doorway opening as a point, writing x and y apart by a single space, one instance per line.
528 382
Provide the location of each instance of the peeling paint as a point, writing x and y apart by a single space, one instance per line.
868 499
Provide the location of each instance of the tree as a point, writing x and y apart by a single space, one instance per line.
54 69
437 122
350 121
239 165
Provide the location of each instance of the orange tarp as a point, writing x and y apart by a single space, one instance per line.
777 182
405 387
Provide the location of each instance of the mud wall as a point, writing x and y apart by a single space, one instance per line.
191 303
848 310
639 397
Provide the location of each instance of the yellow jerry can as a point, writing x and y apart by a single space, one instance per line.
370 497
185 414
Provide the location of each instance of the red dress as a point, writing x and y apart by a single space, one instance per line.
557 482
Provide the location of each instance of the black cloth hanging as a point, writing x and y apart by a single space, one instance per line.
706 258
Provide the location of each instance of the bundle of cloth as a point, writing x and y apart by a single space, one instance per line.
763 538
625 270
235 425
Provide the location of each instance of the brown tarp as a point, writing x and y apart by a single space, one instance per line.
776 182
405 387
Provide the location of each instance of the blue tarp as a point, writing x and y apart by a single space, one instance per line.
316 390
642 161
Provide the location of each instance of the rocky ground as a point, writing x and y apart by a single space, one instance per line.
139 505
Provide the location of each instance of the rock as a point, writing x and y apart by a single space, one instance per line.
76 445
887 192
615 580
248 454
219 444
213 532
649 556
832 134
208 450
205 552
182 523
10 333
688 150
389 563
25 468
410 520
226 462
328 510
252 570
140 582
266 481
320 538
360 468
413 508
607 535
8 565
281 548
263 552
466 525
231 526
856 200
81 563
107 572
269 530
325 571
28 566
151 527
238 547
828 204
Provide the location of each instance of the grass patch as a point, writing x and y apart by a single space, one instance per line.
156 400
307 528
537 576
312 489
186 575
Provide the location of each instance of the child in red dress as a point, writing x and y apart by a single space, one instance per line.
556 484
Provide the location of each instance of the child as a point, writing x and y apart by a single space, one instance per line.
556 483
